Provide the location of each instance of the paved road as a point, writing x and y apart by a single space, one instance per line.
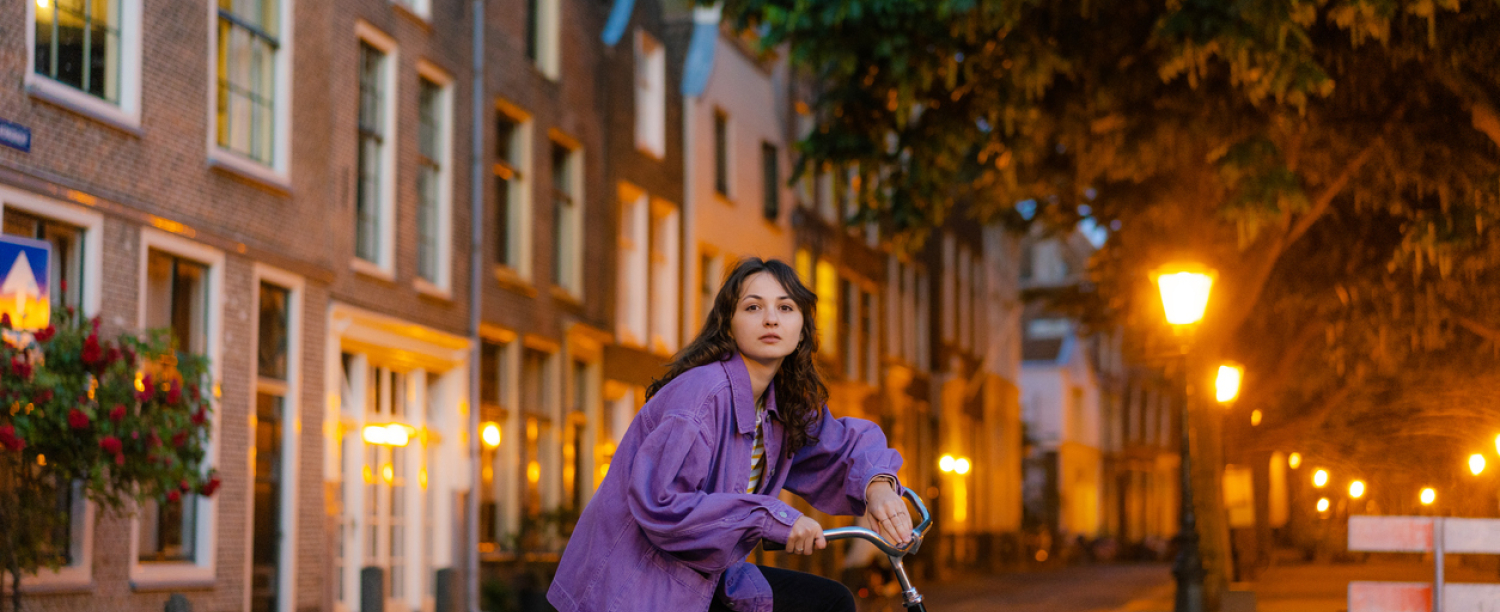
1091 588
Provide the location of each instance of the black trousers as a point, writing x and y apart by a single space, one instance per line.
793 591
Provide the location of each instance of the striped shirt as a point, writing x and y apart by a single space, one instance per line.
758 453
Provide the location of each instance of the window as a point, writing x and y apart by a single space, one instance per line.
770 164
66 269
650 95
374 231
567 220
274 470
536 405
85 56
923 321
665 256
433 186
869 328
848 328
577 485
827 284
493 365
250 67
721 153
542 24
512 198
419 8
634 266
710 276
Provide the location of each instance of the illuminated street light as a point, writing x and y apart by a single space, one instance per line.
1294 460
490 434
1320 478
1227 385
1323 504
1476 463
1255 418
1428 496
1497 444
1184 292
394 434
946 463
961 466
1357 489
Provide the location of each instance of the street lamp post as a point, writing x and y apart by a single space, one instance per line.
1184 295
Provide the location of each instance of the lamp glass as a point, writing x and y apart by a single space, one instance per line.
1227 384
1320 478
1428 496
1293 460
1357 489
1476 463
1184 293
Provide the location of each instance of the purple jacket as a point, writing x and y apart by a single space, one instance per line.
672 515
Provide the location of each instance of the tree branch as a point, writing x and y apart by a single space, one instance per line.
1483 114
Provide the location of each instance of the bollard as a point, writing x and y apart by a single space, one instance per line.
446 591
178 603
372 589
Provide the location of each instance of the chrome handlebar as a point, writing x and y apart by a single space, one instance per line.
890 549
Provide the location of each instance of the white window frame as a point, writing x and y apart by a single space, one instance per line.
548 34
728 193
518 200
278 174
385 268
442 286
127 114
634 270
650 95
569 275
79 575
291 426
664 270
419 8
200 571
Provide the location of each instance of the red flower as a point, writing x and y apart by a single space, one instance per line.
91 351
43 396
112 355
119 458
10 440
185 486
46 334
77 419
208 488
154 440
174 392
200 417
19 365
117 413
111 445
173 496
146 390
63 285
5 320
95 322
179 439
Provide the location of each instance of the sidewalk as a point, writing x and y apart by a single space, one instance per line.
1083 588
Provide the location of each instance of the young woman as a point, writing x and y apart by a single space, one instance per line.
693 487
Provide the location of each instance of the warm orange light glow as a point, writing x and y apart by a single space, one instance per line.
422 477
394 434
1357 489
946 463
1320 478
1497 444
387 473
1041 556
369 475
1476 463
1323 505
1428 496
1184 292
1255 418
1227 385
961 466
490 434
1294 460
533 472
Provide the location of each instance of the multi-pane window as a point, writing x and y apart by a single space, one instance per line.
771 170
542 21
536 406
430 161
577 484
650 95
634 263
567 220
664 284
248 41
270 430
78 43
386 473
177 300
827 283
511 205
368 196
492 367
721 153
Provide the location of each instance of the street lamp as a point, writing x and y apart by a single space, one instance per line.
1294 460
1428 496
1476 463
1227 384
1184 296
1320 478
1357 489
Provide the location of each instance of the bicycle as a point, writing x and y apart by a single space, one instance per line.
910 598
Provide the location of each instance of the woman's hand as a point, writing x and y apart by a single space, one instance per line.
888 512
806 535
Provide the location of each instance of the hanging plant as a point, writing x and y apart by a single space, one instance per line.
127 417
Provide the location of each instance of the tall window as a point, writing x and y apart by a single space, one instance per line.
870 330
849 329
431 138
710 275
634 263
536 405
827 283
369 197
542 21
492 368
270 423
78 44
568 251
248 42
650 95
176 299
721 153
665 256
512 205
387 477
577 483
771 169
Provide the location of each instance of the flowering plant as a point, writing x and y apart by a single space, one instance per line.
126 417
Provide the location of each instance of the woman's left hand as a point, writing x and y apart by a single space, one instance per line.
888 512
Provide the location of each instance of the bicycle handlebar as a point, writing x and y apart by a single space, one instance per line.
861 533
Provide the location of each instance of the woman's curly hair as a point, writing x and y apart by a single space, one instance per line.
800 392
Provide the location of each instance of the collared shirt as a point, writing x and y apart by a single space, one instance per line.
672 516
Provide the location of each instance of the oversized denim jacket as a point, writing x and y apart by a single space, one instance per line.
672 515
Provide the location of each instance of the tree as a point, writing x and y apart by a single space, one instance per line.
126 418
1233 133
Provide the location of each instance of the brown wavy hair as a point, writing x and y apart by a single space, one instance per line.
800 392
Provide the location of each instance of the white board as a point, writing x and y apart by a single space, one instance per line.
1391 533
1461 535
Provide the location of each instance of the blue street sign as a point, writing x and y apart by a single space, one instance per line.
25 285
15 136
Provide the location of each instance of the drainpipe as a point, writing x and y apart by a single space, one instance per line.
469 543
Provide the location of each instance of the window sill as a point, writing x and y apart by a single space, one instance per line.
238 165
65 580
723 199
427 289
371 270
170 576
508 278
70 99
566 296
410 13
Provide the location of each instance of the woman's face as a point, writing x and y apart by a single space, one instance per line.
767 324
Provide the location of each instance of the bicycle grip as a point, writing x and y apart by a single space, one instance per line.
770 546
